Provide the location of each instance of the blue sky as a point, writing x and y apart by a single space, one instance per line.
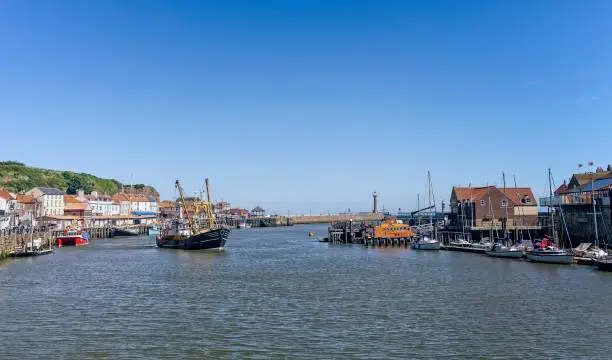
308 105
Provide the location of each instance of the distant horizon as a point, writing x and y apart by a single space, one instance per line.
308 106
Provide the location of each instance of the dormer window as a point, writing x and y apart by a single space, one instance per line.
504 203
527 200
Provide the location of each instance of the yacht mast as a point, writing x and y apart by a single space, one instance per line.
594 210
506 208
551 209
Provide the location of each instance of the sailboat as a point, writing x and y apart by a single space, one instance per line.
498 249
186 233
594 251
425 242
549 252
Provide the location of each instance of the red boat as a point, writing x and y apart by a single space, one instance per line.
72 237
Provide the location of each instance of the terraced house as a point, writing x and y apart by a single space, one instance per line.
50 201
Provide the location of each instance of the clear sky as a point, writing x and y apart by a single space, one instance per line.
308 105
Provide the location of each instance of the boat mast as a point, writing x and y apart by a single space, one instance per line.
430 194
190 222
594 210
208 207
506 208
551 210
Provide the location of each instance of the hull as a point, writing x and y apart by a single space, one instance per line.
124 232
551 258
212 239
603 265
76 240
460 243
505 254
434 245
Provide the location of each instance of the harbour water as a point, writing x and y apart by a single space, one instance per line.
276 294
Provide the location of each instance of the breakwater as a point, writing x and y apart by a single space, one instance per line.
318 219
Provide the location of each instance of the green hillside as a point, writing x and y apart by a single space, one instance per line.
17 177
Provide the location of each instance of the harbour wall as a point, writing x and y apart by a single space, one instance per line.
316 219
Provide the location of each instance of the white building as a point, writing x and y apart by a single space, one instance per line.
50 201
7 208
102 205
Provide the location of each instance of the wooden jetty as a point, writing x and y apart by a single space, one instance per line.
20 243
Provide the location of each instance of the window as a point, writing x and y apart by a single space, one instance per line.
504 203
527 200
482 203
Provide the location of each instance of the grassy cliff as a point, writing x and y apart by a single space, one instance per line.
17 177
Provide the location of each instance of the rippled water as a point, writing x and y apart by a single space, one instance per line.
276 294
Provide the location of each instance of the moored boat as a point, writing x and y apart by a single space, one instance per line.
550 255
426 243
72 237
124 231
603 264
154 230
501 251
460 243
244 225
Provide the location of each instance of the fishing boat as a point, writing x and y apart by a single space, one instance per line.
425 242
547 250
72 237
185 232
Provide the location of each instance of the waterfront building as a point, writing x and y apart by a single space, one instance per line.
25 210
7 209
73 206
575 199
168 209
49 201
102 204
491 208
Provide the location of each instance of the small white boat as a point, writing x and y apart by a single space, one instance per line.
486 245
498 250
550 255
425 243
460 243
244 225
